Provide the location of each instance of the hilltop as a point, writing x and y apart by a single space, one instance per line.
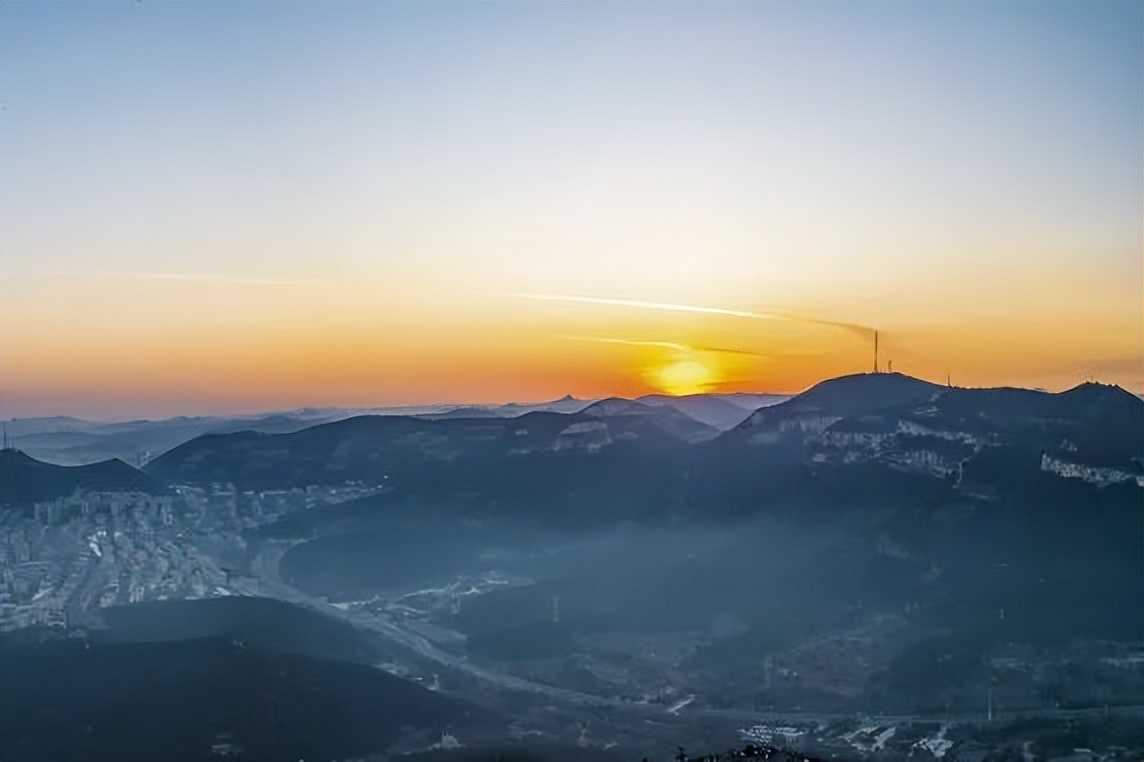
25 480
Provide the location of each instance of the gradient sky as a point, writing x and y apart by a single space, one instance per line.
222 207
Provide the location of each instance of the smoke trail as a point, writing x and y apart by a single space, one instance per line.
864 331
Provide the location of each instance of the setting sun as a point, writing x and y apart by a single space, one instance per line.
682 377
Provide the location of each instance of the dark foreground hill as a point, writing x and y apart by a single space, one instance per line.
265 623
206 698
25 480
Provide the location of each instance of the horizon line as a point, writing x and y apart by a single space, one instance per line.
394 409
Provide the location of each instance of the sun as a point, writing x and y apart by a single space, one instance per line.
684 377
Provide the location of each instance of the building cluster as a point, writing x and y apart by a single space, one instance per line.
63 558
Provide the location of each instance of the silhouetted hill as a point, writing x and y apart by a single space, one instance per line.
633 416
71 441
1091 425
455 454
25 480
195 699
468 411
859 394
720 411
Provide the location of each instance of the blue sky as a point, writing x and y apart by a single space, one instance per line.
969 165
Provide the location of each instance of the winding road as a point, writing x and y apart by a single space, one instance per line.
270 584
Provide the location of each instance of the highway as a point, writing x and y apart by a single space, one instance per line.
265 569
270 584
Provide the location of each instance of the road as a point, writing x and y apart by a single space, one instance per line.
265 569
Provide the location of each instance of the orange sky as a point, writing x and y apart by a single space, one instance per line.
201 346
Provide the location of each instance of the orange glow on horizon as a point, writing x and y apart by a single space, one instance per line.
491 361
237 348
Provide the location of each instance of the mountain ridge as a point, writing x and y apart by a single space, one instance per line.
24 479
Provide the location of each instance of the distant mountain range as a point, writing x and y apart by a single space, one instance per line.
1092 432
69 441
720 411
887 417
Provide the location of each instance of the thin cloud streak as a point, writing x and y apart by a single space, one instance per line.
220 278
631 342
862 330
663 344
646 305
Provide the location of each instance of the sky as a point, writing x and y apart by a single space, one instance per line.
236 207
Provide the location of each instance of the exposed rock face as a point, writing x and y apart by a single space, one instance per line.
1094 433
1092 474
589 436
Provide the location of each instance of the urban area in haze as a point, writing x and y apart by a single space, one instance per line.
578 381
